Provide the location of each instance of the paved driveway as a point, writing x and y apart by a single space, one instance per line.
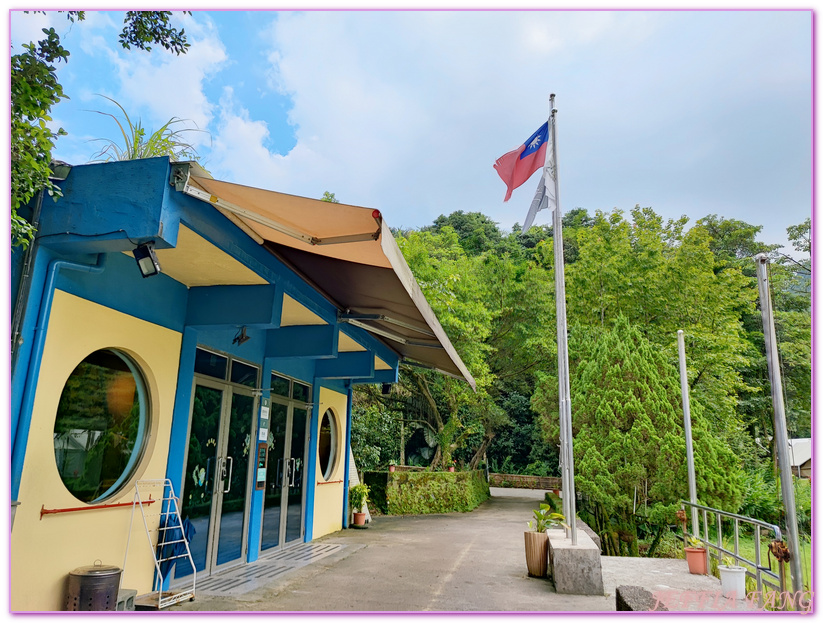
456 562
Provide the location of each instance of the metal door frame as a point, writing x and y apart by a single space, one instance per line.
290 404
228 389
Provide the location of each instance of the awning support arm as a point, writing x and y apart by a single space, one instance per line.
202 195
383 318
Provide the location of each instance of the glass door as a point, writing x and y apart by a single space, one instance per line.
217 476
231 522
273 499
201 467
294 499
283 507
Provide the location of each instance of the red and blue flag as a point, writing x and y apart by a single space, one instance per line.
515 167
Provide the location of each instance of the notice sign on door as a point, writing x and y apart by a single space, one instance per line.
263 435
262 457
264 409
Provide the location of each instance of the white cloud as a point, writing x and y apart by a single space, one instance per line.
384 102
168 85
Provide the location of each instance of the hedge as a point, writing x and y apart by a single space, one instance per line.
420 493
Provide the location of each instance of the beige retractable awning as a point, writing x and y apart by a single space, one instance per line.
349 254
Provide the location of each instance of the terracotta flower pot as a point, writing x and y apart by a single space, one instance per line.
696 559
537 553
391 468
359 519
451 468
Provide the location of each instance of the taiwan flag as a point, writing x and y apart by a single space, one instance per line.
515 167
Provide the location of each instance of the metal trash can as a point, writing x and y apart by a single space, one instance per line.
93 587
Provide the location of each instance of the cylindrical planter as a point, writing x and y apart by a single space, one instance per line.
537 553
391 468
359 519
451 468
696 559
733 582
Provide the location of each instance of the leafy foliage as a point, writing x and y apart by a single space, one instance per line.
358 496
545 518
165 141
35 89
418 493
142 28
627 428
632 281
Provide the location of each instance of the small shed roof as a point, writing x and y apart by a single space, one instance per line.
800 451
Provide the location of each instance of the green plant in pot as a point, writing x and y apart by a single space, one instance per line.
359 496
537 541
732 578
696 556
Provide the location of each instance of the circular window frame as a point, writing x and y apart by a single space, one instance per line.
144 425
334 455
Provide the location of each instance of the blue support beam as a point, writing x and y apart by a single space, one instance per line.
305 341
257 306
369 341
380 376
346 366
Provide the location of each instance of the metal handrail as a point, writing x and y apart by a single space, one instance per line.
762 575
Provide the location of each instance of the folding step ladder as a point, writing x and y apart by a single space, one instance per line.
167 540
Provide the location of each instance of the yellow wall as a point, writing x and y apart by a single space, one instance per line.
328 495
44 551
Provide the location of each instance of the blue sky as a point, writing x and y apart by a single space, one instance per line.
689 112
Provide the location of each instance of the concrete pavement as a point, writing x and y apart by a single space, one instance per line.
434 563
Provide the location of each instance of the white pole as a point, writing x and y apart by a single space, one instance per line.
780 434
687 426
567 445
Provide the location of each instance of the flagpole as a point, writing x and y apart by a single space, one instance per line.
567 445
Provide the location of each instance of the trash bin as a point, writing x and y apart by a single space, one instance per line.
93 587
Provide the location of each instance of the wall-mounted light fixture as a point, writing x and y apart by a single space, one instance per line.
147 259
241 337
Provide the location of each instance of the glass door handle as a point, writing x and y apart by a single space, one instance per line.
292 471
231 468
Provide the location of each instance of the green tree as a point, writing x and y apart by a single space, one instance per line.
475 231
329 197
629 445
35 89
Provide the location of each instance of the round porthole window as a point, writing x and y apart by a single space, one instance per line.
327 444
101 425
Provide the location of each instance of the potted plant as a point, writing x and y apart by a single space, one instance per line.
451 466
732 578
696 556
392 465
537 541
359 496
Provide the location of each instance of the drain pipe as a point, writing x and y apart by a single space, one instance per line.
21 302
347 445
20 430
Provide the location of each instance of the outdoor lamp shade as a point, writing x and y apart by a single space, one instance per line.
146 259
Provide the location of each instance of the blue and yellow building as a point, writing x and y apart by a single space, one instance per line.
167 325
